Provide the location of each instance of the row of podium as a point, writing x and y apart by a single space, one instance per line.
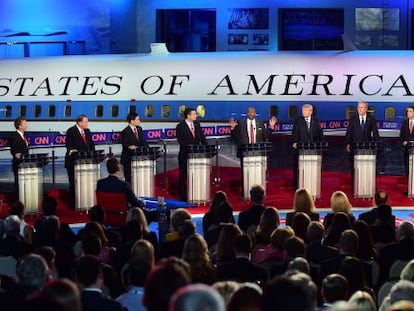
255 156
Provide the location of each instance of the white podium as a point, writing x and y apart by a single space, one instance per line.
410 150
143 170
87 174
254 166
310 167
365 159
30 175
199 172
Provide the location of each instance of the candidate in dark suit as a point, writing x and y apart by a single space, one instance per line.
306 129
78 138
406 135
188 133
112 184
19 147
132 137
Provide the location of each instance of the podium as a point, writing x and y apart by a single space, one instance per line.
254 159
365 159
87 173
143 169
410 150
30 176
199 171
310 166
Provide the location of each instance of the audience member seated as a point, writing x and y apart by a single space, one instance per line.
97 213
226 289
269 221
175 247
402 291
224 252
334 288
299 264
353 270
177 219
26 231
366 247
403 249
275 251
196 297
380 198
12 244
383 229
49 208
136 214
340 223
132 232
224 216
49 255
295 247
89 275
163 281
247 297
210 217
241 269
339 203
362 301
195 253
302 202
316 252
300 225
138 270
250 218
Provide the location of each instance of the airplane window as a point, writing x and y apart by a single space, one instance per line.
132 109
371 111
201 111
22 110
37 111
349 112
165 111
149 111
115 110
52 111
273 111
292 112
99 111
181 109
8 111
68 111
389 113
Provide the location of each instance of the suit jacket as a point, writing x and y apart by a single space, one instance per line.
354 132
74 140
371 216
401 250
94 301
17 145
240 134
112 184
185 137
300 133
317 253
128 138
242 270
405 131
250 217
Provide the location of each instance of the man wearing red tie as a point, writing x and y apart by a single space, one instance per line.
132 137
19 147
188 133
407 135
78 138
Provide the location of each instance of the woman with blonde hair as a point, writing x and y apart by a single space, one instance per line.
302 202
195 253
362 301
339 203
136 214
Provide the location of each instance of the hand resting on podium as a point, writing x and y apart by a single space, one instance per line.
132 147
72 151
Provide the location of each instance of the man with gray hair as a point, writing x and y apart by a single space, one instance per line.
402 290
12 244
403 249
196 297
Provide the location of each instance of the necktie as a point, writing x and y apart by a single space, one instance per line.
308 123
136 133
411 126
25 140
84 137
251 133
362 124
192 129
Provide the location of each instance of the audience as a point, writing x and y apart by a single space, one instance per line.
210 217
339 203
302 202
26 231
363 301
316 252
334 288
248 297
196 297
249 219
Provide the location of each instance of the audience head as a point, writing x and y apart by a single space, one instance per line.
405 230
295 247
352 269
247 297
219 197
340 223
315 232
17 208
89 272
133 231
137 214
48 254
112 166
63 292
224 212
177 219
349 242
402 290
51 227
143 249
32 272
299 264
242 245
195 249
226 289
138 270
334 288
363 301
380 197
408 272
49 206
303 201
257 194
196 297
97 213
11 225
224 247
163 281
340 202
300 224
279 236
186 229
404 305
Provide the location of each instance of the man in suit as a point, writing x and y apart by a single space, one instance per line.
407 135
306 129
380 198
188 132
251 217
90 276
78 139
250 131
112 184
19 147
132 137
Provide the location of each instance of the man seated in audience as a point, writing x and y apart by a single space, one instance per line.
12 244
403 290
251 217
242 269
196 297
89 275
380 198
316 252
334 288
